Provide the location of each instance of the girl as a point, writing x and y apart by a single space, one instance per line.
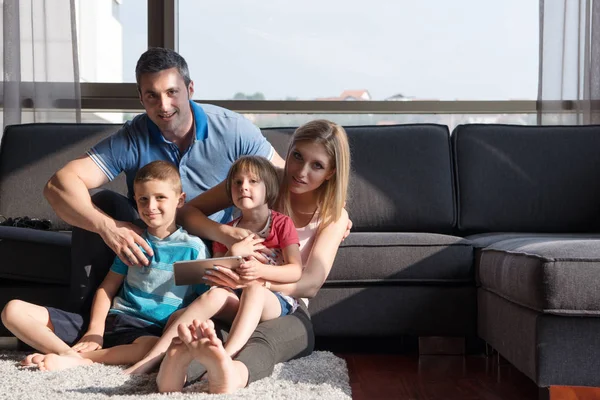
252 185
313 193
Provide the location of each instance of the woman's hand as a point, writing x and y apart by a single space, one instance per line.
221 276
247 247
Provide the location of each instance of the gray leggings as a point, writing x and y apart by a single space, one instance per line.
272 342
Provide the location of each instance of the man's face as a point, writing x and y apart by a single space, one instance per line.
166 101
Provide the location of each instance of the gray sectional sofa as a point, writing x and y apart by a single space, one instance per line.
489 232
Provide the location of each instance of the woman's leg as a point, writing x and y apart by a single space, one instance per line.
214 301
278 340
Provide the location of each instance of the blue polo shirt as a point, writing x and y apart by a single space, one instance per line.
222 136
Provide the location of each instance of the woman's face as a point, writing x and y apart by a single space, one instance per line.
308 166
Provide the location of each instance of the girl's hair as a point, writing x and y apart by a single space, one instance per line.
333 192
262 169
159 171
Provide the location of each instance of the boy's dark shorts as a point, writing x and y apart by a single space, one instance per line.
119 329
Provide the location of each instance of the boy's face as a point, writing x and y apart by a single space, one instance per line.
157 202
248 191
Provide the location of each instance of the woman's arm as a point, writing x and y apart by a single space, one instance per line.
319 262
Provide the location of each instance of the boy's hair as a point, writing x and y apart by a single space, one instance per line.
160 170
157 59
333 192
263 169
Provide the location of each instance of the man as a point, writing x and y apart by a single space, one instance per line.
202 140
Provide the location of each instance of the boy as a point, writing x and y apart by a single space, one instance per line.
142 307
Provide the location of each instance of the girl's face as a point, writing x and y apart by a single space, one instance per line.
248 191
308 166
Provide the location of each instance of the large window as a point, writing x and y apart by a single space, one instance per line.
111 36
356 50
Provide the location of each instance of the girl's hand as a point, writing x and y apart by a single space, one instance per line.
223 277
247 247
250 270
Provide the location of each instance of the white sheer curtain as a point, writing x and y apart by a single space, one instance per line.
569 71
40 62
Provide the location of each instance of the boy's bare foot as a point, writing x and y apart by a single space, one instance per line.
173 369
203 343
55 362
32 359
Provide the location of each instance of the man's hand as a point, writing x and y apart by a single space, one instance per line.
247 247
125 240
89 342
232 235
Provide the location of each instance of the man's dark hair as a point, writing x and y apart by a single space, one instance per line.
157 59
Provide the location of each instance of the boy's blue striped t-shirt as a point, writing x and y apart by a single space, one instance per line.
150 293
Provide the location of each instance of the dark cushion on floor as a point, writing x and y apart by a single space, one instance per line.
35 256
404 183
527 178
557 274
403 257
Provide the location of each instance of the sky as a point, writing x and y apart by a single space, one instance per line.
428 49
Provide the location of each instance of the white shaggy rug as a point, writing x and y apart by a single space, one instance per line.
322 375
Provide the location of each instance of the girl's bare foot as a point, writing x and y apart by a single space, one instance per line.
32 359
55 362
173 369
224 376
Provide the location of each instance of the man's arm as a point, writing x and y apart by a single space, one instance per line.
277 161
193 216
67 191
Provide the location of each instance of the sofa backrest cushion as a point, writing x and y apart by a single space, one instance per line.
31 153
401 177
527 178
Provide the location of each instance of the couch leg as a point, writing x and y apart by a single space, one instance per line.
441 345
489 350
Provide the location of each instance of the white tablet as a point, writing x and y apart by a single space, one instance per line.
191 272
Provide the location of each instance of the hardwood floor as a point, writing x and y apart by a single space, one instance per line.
399 376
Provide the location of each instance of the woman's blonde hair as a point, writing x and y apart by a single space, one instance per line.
333 192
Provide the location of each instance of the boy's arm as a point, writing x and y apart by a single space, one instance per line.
93 338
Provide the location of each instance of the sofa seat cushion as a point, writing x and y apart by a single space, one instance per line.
35 256
554 274
390 258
